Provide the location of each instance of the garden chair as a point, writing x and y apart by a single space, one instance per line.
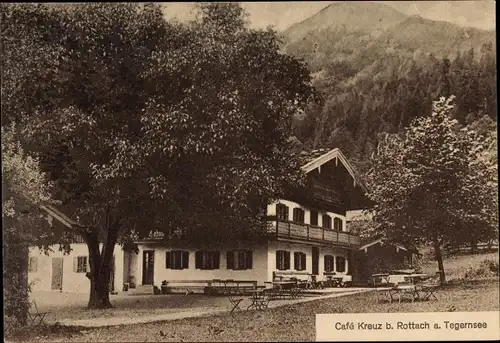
406 288
36 317
235 302
429 288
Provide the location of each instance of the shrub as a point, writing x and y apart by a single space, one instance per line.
486 269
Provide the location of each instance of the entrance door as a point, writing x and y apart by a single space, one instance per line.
57 273
148 264
315 260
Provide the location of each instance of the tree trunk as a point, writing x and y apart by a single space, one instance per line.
100 269
473 245
16 296
439 259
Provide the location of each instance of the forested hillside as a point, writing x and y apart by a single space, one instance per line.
378 69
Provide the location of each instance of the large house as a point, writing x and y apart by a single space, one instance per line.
306 234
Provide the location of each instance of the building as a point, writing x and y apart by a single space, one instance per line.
57 271
381 256
306 233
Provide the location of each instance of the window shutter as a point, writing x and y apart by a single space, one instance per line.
287 259
216 260
75 264
249 259
197 260
185 259
167 260
296 260
278 252
287 213
230 259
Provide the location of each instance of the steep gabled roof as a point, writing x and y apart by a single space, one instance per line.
60 216
382 240
316 158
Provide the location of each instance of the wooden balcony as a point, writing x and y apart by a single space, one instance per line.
311 233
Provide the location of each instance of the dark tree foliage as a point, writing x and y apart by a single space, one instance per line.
144 124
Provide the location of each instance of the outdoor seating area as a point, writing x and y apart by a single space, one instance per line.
230 286
416 286
210 287
332 279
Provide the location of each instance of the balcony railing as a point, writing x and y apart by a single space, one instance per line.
311 233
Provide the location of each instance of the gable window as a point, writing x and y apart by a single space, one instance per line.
340 264
81 264
177 259
299 261
207 260
282 260
327 221
298 215
239 259
328 263
33 265
337 224
314 218
282 212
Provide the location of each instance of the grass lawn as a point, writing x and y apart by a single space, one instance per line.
287 323
62 306
456 266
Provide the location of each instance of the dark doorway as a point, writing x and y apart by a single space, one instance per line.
148 266
315 260
57 273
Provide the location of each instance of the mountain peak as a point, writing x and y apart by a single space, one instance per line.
360 16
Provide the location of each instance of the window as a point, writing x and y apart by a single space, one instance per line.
337 224
177 259
81 264
298 215
239 259
299 261
327 221
282 212
282 260
328 263
314 218
340 264
33 265
207 260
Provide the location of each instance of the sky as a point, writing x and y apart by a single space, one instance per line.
281 15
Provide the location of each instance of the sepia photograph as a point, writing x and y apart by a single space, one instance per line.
249 171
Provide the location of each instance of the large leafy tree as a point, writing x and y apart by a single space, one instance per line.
144 124
25 190
435 182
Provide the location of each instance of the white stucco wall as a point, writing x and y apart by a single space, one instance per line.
257 273
72 282
271 211
304 248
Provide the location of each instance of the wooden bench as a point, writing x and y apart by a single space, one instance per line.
290 275
337 280
230 286
186 286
